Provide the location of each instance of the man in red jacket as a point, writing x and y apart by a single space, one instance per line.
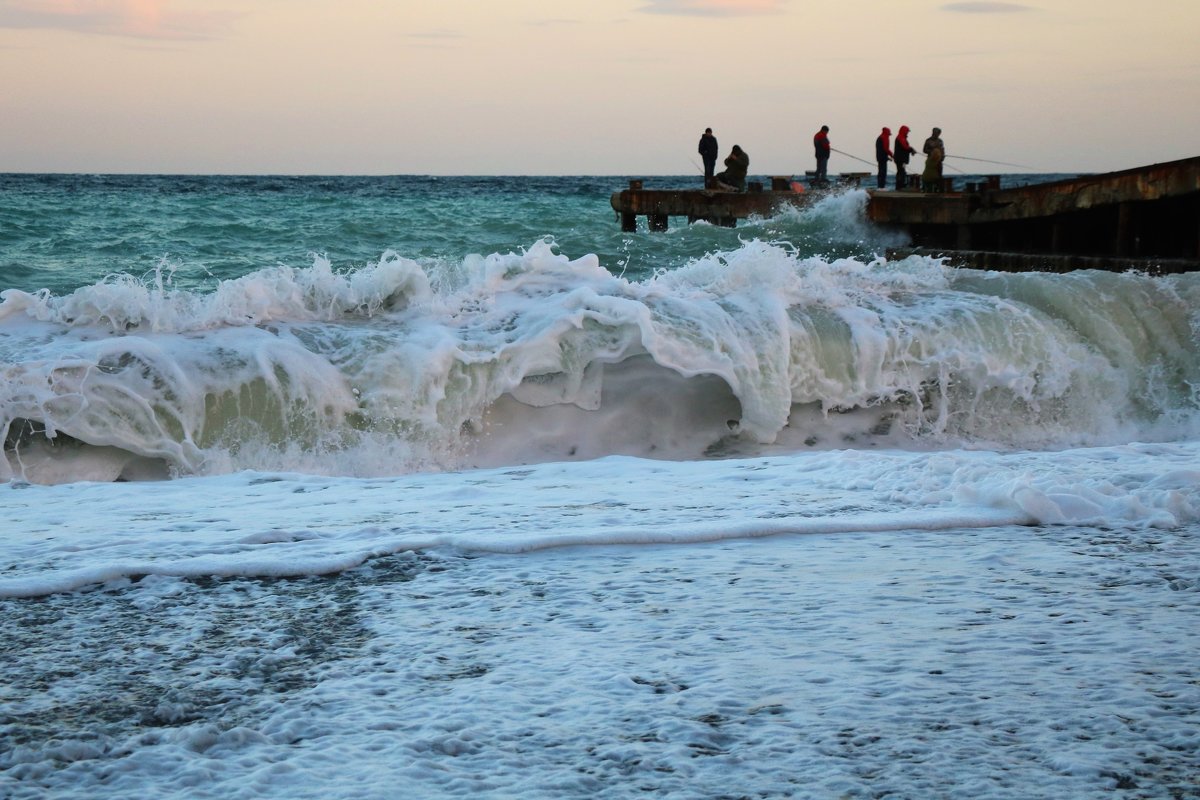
822 147
903 151
883 154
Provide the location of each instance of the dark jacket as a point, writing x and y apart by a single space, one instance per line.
708 147
903 148
821 144
882 151
736 165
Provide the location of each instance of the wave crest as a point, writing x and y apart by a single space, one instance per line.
533 356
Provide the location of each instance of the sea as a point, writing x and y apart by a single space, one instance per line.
437 487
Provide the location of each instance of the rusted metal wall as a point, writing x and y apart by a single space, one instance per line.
1146 213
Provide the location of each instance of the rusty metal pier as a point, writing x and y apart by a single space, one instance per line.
1147 217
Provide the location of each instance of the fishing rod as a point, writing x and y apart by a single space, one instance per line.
1001 163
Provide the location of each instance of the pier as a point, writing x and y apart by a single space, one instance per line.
716 206
1144 218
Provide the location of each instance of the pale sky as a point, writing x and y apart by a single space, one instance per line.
605 87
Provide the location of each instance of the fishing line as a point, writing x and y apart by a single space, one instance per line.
856 158
872 163
1001 163
949 166
944 164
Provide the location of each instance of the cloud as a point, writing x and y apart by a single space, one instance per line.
985 7
442 39
554 21
714 8
138 19
438 34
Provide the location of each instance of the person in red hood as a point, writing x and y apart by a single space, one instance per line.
903 151
883 154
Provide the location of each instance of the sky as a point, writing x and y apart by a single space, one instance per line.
598 87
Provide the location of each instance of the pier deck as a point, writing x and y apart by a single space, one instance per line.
719 207
1148 217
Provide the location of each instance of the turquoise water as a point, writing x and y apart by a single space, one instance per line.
60 232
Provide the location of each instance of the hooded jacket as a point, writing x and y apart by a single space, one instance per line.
736 165
882 151
935 141
903 148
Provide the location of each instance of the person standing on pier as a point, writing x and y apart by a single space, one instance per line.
708 152
736 165
883 154
903 151
822 147
935 154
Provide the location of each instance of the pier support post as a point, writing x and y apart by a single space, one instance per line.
1124 230
629 222
658 222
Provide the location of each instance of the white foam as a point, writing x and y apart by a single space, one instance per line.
395 368
252 524
916 642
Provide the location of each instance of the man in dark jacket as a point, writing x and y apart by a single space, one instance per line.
734 174
883 154
822 147
903 151
708 152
